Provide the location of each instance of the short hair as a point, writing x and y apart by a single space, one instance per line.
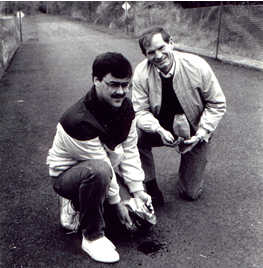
146 38
111 62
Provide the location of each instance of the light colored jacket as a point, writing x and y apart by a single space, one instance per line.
196 88
67 152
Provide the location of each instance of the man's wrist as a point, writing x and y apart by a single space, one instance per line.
200 134
159 130
138 191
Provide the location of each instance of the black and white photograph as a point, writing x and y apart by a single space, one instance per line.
131 134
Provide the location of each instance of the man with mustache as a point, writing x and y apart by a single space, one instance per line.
179 103
94 136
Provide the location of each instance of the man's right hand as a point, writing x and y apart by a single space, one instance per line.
123 215
167 137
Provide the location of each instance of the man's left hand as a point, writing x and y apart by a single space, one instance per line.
146 198
189 144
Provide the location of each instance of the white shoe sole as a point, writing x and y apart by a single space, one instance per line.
102 259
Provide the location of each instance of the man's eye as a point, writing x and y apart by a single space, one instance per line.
125 85
117 85
114 85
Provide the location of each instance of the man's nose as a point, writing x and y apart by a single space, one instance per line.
120 89
158 54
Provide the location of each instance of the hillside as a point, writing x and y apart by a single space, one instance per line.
241 29
235 30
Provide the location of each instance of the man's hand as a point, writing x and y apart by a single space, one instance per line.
167 137
146 198
189 144
123 215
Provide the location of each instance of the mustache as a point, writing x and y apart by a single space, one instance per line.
161 60
118 96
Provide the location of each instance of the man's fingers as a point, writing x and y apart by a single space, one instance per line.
149 201
191 140
189 146
128 220
129 223
167 137
168 140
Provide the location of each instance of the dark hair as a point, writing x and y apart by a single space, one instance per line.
146 38
111 62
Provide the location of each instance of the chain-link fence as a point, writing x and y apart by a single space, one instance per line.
9 40
229 32
241 32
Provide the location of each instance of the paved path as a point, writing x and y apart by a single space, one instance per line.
51 71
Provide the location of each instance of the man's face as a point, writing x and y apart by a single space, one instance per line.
159 53
112 90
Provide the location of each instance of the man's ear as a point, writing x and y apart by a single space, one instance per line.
171 43
96 81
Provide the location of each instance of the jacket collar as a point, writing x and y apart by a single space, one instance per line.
170 73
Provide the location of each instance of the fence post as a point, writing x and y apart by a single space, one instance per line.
20 26
219 28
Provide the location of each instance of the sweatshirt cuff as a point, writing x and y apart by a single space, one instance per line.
203 134
135 186
155 127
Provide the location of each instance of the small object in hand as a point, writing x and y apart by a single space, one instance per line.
142 215
181 126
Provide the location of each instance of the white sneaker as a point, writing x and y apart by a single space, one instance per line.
101 250
69 218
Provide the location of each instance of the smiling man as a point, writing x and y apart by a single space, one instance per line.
94 136
178 103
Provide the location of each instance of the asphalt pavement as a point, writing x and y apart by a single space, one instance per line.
50 71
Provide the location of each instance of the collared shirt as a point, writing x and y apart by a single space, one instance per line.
169 74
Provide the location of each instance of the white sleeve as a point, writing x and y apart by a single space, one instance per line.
130 166
215 102
140 99
67 151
